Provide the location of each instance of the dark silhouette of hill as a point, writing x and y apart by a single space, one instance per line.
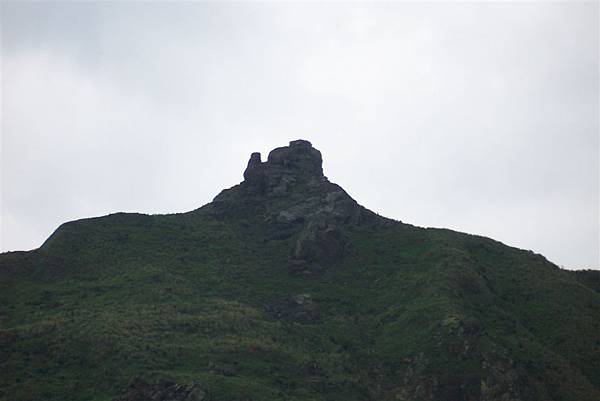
285 288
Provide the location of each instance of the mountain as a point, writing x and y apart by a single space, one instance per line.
285 288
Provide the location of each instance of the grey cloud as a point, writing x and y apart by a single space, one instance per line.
477 117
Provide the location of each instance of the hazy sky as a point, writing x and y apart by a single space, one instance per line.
481 118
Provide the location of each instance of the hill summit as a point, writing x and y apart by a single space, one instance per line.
297 161
295 199
285 288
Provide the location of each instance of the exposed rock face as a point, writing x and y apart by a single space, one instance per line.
299 156
254 171
317 245
284 167
291 193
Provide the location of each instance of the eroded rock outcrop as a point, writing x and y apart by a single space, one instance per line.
298 163
290 192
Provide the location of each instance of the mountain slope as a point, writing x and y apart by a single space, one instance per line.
284 288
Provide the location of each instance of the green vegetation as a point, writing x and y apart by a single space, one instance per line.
404 313
188 297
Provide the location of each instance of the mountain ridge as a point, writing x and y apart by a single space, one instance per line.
284 287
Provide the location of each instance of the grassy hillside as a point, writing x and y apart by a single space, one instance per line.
214 299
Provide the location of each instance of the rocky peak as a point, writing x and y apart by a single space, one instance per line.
289 188
298 161
300 157
255 167
289 196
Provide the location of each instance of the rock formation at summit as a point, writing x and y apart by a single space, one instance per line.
296 199
298 160
285 288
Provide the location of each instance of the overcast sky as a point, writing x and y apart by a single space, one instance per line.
482 118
